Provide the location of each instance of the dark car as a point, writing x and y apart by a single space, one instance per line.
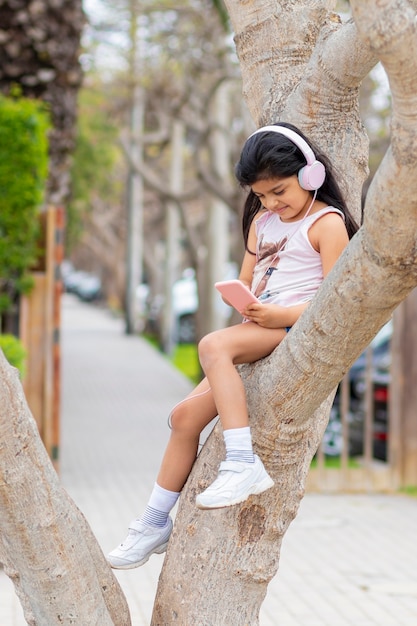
85 285
379 381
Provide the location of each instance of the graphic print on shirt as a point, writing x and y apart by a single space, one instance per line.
268 259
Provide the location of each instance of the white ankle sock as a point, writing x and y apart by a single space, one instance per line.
238 442
159 505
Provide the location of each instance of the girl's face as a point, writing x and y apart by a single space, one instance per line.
283 196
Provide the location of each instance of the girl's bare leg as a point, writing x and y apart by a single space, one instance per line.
242 473
150 533
220 351
188 419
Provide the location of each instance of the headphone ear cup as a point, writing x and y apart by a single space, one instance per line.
311 177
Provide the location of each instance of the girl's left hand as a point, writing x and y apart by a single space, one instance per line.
266 315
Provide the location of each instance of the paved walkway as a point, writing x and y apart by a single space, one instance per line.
346 560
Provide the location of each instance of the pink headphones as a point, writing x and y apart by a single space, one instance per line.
312 175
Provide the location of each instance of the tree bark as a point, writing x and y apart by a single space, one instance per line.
46 545
219 563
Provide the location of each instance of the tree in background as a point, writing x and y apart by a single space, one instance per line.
96 219
39 49
185 57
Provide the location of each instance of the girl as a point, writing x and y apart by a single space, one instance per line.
295 226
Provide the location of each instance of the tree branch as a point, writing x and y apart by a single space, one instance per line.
153 181
355 59
389 28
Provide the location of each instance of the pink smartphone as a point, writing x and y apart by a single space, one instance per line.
236 293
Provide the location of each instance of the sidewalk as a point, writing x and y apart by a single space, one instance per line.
346 560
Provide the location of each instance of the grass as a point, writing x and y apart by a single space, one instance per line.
335 462
409 490
185 358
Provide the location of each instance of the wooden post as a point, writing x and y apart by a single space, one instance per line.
403 394
49 329
32 324
56 340
39 332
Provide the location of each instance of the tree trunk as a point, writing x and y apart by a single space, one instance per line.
219 563
222 561
46 545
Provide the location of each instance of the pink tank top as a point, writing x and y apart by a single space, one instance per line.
288 269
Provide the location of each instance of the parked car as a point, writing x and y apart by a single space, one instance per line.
184 302
185 306
72 280
85 285
380 380
89 288
381 360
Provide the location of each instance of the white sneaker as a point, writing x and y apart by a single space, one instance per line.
235 483
140 545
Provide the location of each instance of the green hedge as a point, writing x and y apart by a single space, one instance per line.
23 173
14 352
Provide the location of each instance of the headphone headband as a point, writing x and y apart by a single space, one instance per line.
292 136
312 175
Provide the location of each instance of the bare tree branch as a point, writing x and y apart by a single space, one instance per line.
153 181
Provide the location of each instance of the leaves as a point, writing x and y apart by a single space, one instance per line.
14 351
23 172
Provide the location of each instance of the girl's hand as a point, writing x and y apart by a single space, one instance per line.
273 315
266 315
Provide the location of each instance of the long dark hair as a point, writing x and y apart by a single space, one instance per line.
272 155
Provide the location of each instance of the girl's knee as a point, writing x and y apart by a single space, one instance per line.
208 347
190 416
181 420
205 343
